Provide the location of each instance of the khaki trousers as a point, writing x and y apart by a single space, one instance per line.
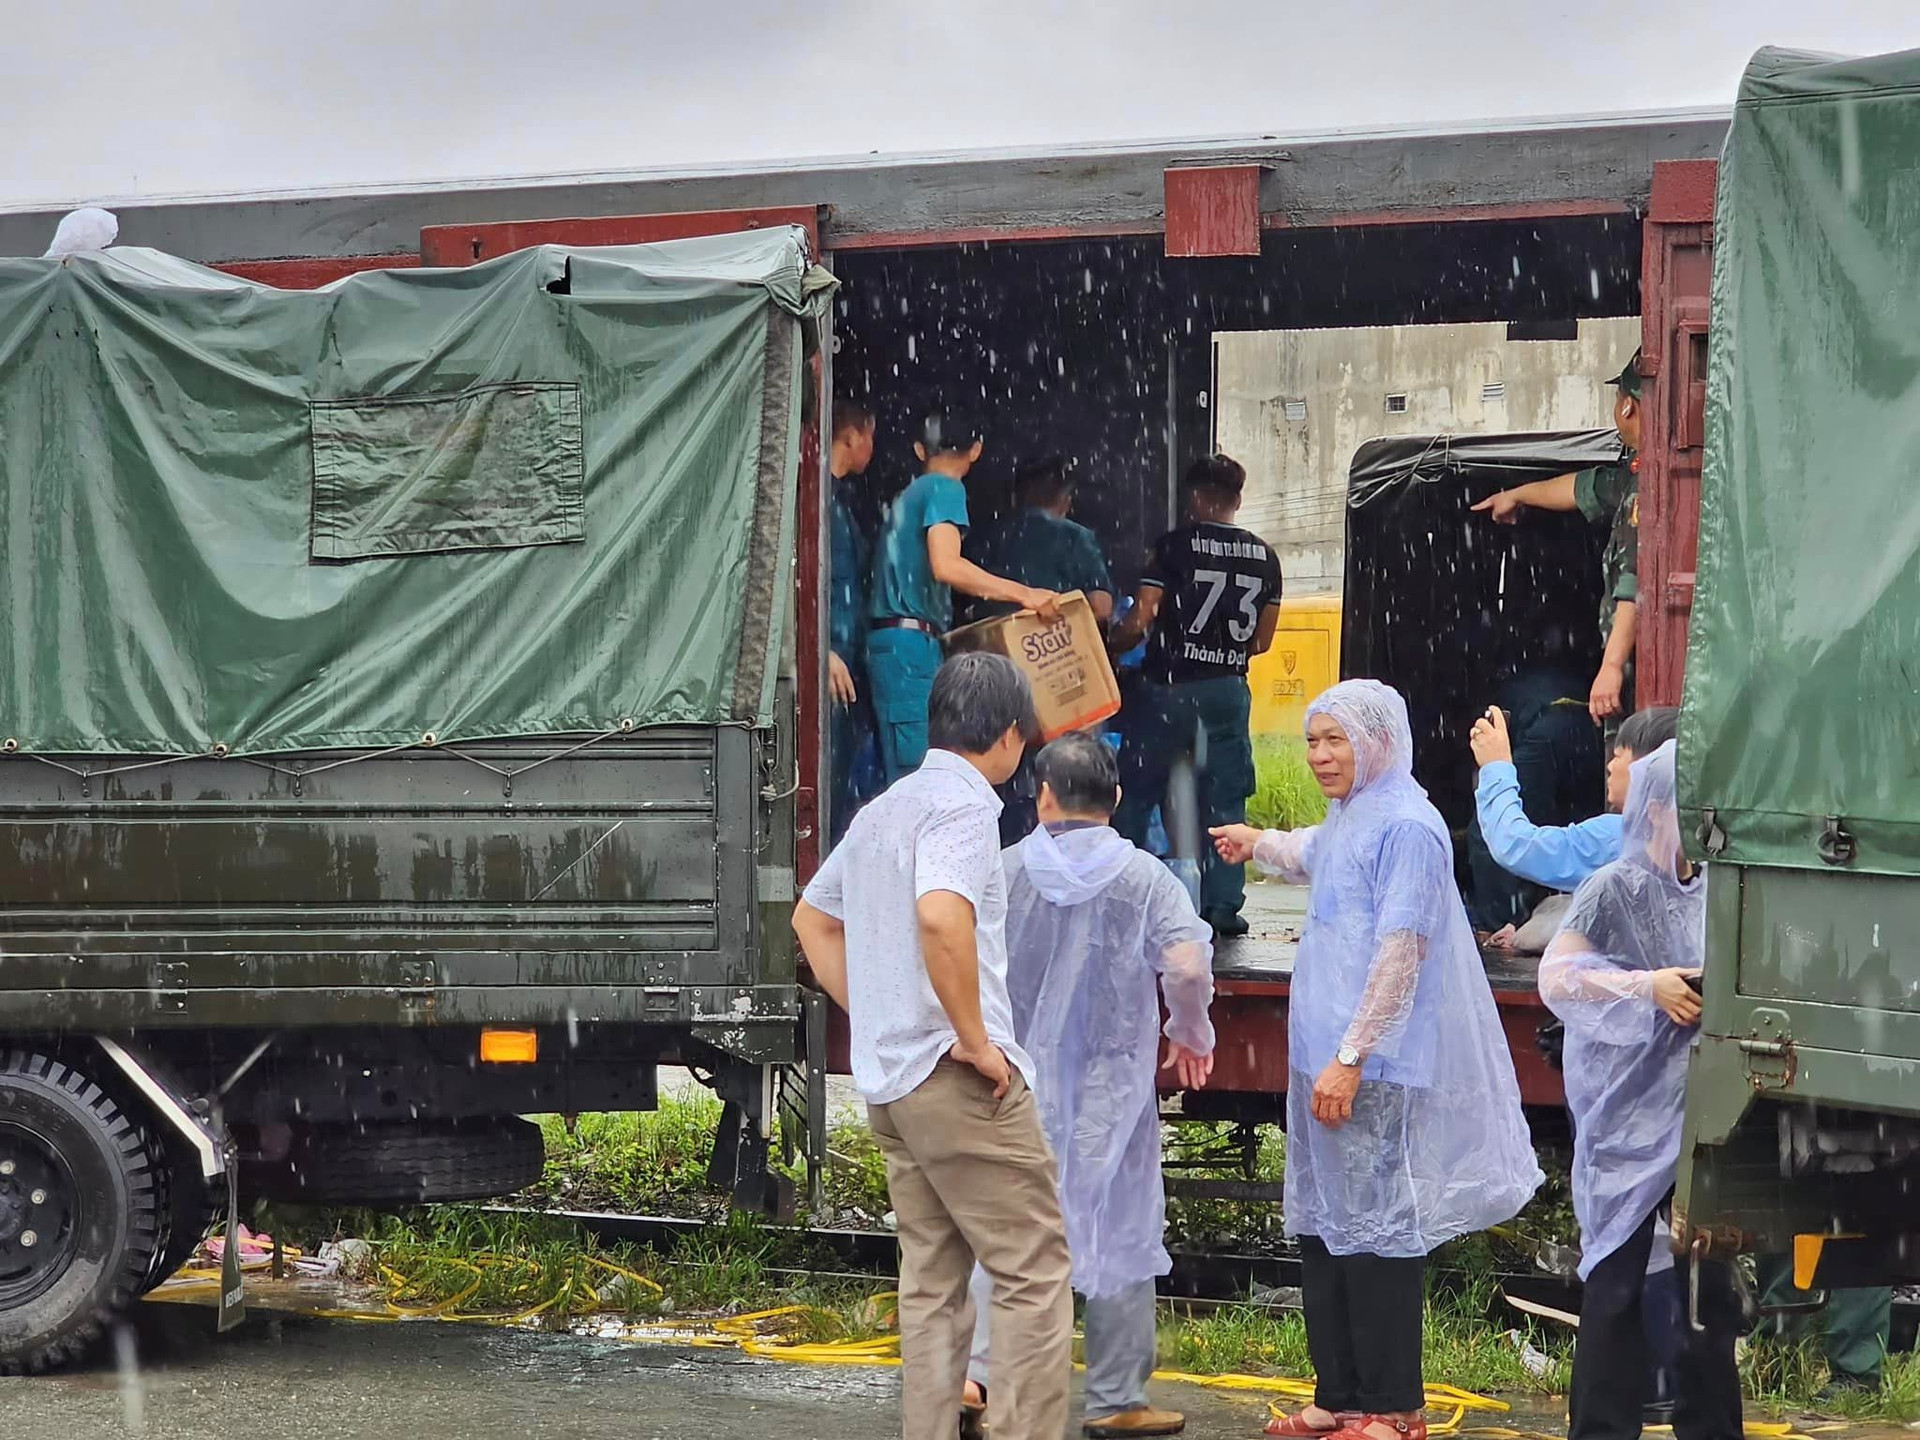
971 1178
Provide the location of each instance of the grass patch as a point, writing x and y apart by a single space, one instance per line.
470 1262
655 1163
1789 1377
1220 1151
1285 794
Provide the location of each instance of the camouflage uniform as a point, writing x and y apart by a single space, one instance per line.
1610 495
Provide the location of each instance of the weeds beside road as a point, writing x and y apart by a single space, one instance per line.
546 1271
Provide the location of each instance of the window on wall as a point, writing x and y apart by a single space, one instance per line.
1397 404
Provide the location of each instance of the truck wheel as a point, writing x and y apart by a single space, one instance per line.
79 1212
188 1207
401 1164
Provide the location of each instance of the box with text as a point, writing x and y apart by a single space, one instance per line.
1065 662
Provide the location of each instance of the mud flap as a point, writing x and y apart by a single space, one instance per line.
233 1281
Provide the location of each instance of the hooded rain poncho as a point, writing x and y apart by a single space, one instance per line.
1437 1146
1626 1062
1092 925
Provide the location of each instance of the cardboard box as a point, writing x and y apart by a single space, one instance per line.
1065 662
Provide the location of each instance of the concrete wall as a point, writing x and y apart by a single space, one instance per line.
1297 462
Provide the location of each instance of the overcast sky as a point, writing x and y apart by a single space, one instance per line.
103 100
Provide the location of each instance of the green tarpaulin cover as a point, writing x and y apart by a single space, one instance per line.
545 495
1803 672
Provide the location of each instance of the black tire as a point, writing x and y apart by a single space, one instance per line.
417 1164
187 1207
59 1295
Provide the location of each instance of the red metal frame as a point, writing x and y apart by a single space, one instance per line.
468 244
810 744
1250 1041
1676 270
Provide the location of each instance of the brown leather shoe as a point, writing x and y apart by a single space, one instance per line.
1144 1421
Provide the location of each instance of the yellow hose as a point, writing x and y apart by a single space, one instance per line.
755 1333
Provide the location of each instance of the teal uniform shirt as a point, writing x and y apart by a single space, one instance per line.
1043 550
901 663
847 597
903 584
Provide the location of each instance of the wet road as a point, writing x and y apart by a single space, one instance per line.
294 1377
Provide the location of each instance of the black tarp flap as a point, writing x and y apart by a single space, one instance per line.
1446 606
1396 461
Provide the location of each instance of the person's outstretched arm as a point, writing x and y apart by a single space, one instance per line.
1556 856
1505 505
1180 949
1286 853
953 569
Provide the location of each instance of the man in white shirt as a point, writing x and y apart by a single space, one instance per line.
905 927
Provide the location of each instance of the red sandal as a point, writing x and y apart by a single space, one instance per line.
1293 1427
1355 1427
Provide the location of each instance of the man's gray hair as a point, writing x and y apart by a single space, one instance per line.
1080 771
977 698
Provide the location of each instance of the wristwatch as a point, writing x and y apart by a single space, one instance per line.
1347 1056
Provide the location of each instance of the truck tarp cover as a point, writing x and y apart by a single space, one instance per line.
545 495
1803 677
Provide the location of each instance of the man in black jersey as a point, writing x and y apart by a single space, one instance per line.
1210 595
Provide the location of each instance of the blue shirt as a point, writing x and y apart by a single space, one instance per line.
847 592
903 586
1043 550
1558 857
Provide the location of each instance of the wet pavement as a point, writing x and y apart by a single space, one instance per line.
297 1377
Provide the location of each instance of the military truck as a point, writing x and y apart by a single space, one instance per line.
396 733
1800 736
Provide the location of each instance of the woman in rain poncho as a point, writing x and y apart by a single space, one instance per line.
1097 933
1404 1127
1617 974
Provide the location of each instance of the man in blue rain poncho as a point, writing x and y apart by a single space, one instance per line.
1404 1127
1097 933
1618 975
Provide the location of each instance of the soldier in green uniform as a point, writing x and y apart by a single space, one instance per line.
1607 495
1853 1327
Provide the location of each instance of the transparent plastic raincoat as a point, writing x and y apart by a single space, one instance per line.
1093 924
1626 1062
1437 1146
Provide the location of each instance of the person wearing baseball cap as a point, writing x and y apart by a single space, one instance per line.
1607 495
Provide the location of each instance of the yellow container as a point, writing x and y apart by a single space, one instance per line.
1303 660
